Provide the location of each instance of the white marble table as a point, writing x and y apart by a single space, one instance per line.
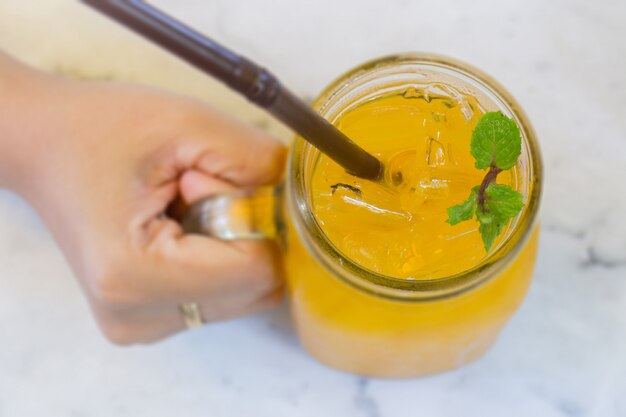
564 353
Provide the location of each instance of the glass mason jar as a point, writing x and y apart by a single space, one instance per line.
359 321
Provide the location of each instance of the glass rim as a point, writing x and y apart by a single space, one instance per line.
342 267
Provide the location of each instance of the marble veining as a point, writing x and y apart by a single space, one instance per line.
562 355
364 401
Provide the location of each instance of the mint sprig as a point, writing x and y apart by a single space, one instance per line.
496 146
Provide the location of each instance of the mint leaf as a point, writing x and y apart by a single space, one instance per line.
496 145
463 211
503 201
490 231
484 216
496 141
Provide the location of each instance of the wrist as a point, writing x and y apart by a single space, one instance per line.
26 122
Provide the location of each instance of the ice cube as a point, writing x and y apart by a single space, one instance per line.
364 254
435 153
368 203
444 93
439 117
411 92
434 188
450 97
466 110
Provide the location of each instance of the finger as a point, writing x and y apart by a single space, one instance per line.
194 267
218 309
174 267
195 185
149 325
229 150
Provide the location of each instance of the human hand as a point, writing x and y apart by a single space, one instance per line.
101 163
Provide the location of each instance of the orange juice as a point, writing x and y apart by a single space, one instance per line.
380 284
398 227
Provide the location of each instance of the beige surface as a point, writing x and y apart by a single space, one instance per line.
69 38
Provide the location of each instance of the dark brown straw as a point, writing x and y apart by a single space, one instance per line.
243 76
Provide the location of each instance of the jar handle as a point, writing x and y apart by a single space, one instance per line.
254 213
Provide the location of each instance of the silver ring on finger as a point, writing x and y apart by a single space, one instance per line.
191 315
